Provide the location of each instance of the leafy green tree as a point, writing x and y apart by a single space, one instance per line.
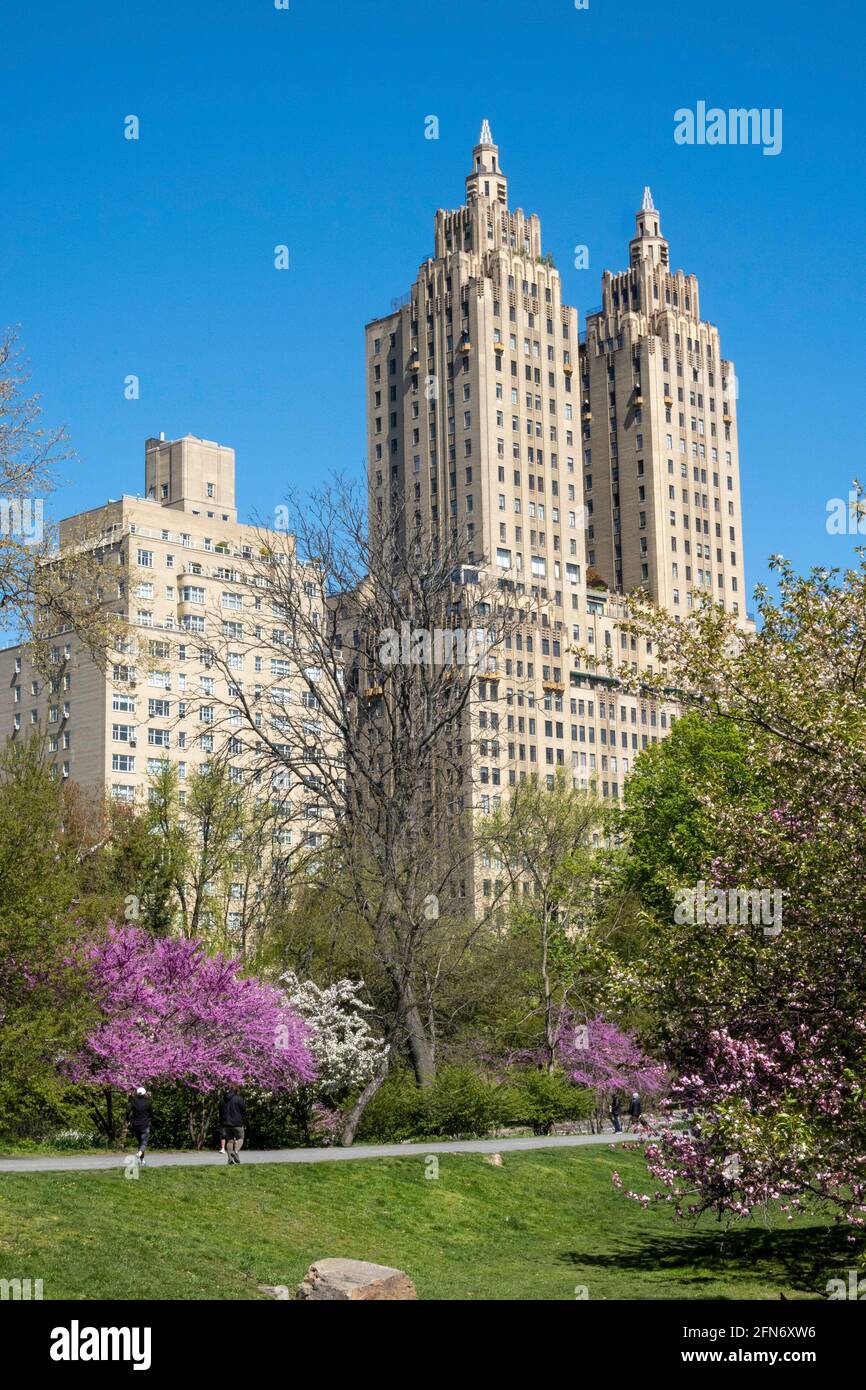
541 839
667 823
42 1007
218 863
761 1013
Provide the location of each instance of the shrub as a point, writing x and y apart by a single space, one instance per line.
541 1099
396 1111
464 1103
461 1103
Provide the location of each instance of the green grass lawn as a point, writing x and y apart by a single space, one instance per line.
536 1228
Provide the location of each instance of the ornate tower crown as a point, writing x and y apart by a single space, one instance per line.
487 179
648 244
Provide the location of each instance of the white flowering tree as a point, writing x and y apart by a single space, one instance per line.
346 1051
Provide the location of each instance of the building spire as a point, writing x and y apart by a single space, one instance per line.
648 244
487 179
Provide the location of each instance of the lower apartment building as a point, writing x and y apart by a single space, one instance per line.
182 563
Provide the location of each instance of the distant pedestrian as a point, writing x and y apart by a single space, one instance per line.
232 1116
139 1114
615 1113
634 1111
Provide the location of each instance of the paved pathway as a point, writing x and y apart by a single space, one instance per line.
73 1163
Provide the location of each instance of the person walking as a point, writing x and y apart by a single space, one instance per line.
139 1114
634 1111
615 1113
232 1116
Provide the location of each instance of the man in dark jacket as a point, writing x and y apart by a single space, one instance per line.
634 1111
615 1113
139 1115
232 1115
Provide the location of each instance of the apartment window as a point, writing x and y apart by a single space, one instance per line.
123 762
145 559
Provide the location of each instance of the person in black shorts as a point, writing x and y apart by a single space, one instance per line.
139 1113
232 1116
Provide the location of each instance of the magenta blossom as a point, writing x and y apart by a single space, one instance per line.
169 1013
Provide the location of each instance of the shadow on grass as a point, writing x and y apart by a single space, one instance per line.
800 1258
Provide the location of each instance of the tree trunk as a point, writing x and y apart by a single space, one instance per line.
420 1052
199 1115
104 1121
549 1032
420 1048
353 1119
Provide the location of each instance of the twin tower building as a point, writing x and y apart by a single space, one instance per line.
580 465
576 465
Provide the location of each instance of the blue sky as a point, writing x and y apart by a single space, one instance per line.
305 126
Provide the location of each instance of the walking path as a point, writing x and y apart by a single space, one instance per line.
73 1163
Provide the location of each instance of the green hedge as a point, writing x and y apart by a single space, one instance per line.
463 1103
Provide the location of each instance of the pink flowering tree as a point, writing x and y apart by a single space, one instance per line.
761 1016
168 1014
599 1056
605 1058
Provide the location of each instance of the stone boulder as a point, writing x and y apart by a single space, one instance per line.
354 1280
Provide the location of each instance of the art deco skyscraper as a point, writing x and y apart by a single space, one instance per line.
473 396
659 435
475 440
